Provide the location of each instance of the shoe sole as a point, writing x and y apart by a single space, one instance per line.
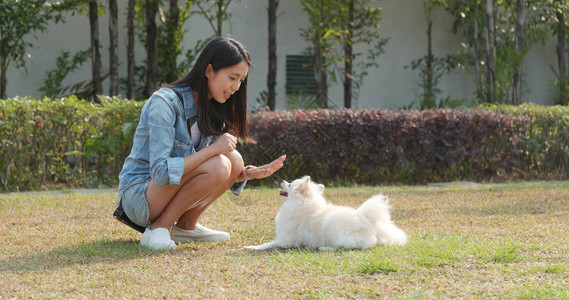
169 247
197 239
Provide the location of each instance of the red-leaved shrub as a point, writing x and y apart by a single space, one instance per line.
345 146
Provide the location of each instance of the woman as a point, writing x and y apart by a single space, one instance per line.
183 155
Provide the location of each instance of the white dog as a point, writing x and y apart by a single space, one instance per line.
306 219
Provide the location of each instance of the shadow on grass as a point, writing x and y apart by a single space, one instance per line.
305 251
102 251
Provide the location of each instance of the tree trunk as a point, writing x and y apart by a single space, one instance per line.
130 51
476 42
272 75
318 68
113 49
151 46
172 55
520 20
3 79
320 77
429 94
562 59
490 52
323 96
95 54
219 13
349 57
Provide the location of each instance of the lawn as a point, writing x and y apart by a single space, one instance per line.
484 241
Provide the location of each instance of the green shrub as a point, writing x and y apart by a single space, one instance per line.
544 139
75 143
65 141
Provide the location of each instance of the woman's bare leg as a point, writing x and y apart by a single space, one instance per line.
197 190
189 219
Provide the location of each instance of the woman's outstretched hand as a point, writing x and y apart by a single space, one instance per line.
252 172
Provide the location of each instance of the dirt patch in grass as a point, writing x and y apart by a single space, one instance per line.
465 241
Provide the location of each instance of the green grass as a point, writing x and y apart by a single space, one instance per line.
506 241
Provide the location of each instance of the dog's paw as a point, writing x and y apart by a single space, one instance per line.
263 247
398 238
251 247
324 248
397 241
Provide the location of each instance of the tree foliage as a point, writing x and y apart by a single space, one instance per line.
556 11
65 64
320 18
215 12
358 44
432 68
170 20
345 42
495 66
18 21
343 35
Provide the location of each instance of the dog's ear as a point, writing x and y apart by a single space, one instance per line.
320 188
304 186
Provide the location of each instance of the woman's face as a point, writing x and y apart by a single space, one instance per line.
224 82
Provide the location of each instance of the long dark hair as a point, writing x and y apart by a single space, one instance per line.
215 118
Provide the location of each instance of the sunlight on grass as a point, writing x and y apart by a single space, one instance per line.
313 294
502 253
477 241
548 269
555 269
543 293
415 295
435 250
376 266
310 260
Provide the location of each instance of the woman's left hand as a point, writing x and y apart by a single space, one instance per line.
252 172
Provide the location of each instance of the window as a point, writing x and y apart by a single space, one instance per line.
300 75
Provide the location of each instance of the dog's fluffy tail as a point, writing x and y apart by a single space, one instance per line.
376 209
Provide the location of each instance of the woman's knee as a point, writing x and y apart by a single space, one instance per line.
219 167
236 163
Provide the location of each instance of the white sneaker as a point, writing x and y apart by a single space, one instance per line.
157 239
200 234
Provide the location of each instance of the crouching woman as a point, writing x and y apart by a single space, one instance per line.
183 155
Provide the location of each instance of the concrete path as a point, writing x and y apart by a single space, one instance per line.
64 191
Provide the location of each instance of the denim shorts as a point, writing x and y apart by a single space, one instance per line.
134 203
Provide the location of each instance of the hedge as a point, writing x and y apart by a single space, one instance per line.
66 142
373 146
75 143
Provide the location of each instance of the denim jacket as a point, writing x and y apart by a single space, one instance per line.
161 141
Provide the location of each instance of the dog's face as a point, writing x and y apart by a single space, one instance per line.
301 188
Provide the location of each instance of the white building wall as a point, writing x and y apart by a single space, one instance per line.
390 86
